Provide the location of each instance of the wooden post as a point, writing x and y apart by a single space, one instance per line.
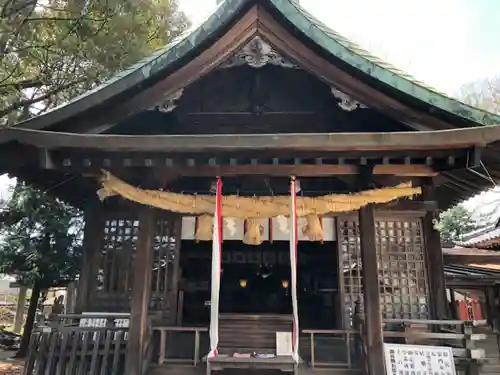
173 298
341 280
434 257
92 238
491 314
371 292
453 304
141 289
20 308
69 301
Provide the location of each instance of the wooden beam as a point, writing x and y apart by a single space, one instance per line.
461 138
365 177
434 256
140 293
371 291
289 170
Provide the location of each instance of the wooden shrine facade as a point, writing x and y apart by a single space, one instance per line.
110 262
259 93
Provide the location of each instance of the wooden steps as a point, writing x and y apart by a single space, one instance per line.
249 333
490 364
177 369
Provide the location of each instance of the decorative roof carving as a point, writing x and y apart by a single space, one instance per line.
169 104
256 54
346 102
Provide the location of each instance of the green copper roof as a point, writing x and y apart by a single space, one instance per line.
317 32
355 56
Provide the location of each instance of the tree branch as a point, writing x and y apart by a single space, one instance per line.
28 102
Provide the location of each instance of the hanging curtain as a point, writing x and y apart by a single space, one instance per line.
216 271
293 268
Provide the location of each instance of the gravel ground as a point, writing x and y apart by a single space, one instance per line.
10 366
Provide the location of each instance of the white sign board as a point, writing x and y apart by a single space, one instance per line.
284 344
418 360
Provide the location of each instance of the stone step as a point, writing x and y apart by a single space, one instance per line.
489 369
175 369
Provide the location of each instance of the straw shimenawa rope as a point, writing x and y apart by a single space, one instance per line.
253 208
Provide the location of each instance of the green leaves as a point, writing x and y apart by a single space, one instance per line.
455 222
40 237
53 50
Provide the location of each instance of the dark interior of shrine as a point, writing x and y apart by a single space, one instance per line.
256 280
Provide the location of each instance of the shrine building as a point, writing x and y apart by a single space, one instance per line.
260 194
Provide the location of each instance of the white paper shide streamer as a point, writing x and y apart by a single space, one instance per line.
216 270
293 268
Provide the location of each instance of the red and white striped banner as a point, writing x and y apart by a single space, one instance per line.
293 268
216 271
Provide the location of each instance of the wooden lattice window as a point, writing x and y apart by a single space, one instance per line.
166 243
403 283
117 253
115 262
350 264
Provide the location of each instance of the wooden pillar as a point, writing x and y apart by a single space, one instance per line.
371 292
173 298
141 290
453 304
69 301
20 308
491 314
341 279
92 239
434 256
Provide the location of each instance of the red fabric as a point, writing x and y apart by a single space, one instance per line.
218 200
477 314
463 310
196 229
321 223
270 223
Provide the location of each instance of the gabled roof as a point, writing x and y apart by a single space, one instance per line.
168 58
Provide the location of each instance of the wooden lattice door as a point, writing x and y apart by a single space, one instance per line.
404 290
115 262
165 271
350 265
116 259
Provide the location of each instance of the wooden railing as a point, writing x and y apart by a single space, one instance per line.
164 333
332 348
64 347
